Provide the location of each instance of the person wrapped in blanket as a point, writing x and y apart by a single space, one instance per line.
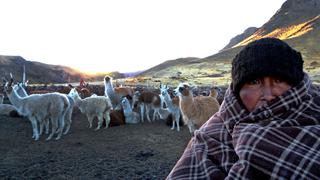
268 126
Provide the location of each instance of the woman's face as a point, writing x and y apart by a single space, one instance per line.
258 92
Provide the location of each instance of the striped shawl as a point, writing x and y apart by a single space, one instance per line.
279 140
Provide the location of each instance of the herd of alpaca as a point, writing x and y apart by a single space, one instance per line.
115 107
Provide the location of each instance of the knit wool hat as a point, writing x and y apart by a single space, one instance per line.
266 57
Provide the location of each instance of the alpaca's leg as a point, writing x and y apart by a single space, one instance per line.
148 112
107 118
154 114
41 126
100 121
54 124
159 114
34 125
177 119
90 119
68 121
173 121
191 126
61 120
142 112
47 125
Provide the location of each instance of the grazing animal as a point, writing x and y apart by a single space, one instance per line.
93 106
172 106
195 110
19 88
148 100
68 116
115 94
131 117
38 108
117 118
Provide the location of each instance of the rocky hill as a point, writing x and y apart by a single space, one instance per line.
40 73
37 72
247 33
297 22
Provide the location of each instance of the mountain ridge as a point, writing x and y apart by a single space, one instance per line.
297 22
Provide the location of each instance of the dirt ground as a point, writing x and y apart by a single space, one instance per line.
140 151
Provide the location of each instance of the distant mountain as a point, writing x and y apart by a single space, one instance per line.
37 72
131 74
165 68
297 22
247 33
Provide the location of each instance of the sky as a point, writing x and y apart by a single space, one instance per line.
124 35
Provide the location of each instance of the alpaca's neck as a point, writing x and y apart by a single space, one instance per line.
168 102
21 91
127 110
16 101
110 91
77 99
186 102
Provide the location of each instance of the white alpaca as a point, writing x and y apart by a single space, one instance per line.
38 108
172 107
195 110
68 116
131 117
19 88
93 106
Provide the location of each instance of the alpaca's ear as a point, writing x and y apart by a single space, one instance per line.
11 80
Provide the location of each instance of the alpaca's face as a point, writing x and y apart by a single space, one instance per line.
125 103
136 96
164 90
8 88
107 79
182 90
73 93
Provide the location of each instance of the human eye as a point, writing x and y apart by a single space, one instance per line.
278 81
254 82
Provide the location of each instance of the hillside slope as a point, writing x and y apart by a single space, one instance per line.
297 22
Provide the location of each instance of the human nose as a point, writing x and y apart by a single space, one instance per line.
267 94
